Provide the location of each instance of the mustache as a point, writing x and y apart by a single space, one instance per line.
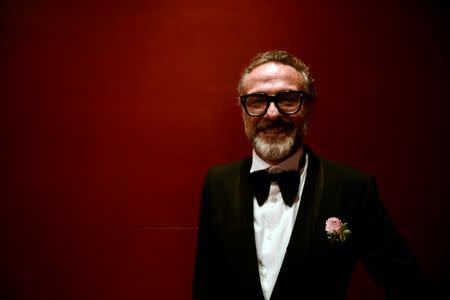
274 124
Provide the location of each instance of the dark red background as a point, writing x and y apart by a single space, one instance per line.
114 111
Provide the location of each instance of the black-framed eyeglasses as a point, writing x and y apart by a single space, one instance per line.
287 102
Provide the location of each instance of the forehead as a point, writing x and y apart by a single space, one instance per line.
273 77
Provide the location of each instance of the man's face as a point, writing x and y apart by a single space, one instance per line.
274 136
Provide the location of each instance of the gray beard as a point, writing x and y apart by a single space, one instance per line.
274 151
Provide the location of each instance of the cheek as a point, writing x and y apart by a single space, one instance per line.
249 125
299 121
249 122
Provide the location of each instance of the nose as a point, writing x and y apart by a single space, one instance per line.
272 112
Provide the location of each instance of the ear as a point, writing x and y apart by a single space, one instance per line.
241 109
243 117
306 114
305 110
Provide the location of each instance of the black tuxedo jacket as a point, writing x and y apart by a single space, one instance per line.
226 265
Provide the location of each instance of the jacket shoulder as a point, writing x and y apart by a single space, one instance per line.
233 168
336 171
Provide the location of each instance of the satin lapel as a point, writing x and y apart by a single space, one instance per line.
297 250
249 257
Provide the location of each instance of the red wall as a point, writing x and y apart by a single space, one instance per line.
115 111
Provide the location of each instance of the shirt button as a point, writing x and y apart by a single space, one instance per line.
263 272
269 237
273 199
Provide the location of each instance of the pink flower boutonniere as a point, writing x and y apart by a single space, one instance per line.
336 230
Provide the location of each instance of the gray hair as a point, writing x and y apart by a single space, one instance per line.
281 57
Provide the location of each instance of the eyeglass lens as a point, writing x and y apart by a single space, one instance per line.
288 102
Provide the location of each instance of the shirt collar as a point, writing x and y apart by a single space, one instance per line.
289 164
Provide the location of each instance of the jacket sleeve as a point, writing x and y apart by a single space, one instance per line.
387 258
205 259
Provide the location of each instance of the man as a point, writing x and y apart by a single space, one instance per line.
286 224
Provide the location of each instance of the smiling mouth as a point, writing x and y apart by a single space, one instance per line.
273 131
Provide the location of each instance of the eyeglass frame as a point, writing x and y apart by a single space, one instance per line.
269 99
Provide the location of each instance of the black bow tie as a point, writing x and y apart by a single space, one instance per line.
288 182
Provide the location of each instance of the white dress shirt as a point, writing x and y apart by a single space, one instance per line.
274 220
